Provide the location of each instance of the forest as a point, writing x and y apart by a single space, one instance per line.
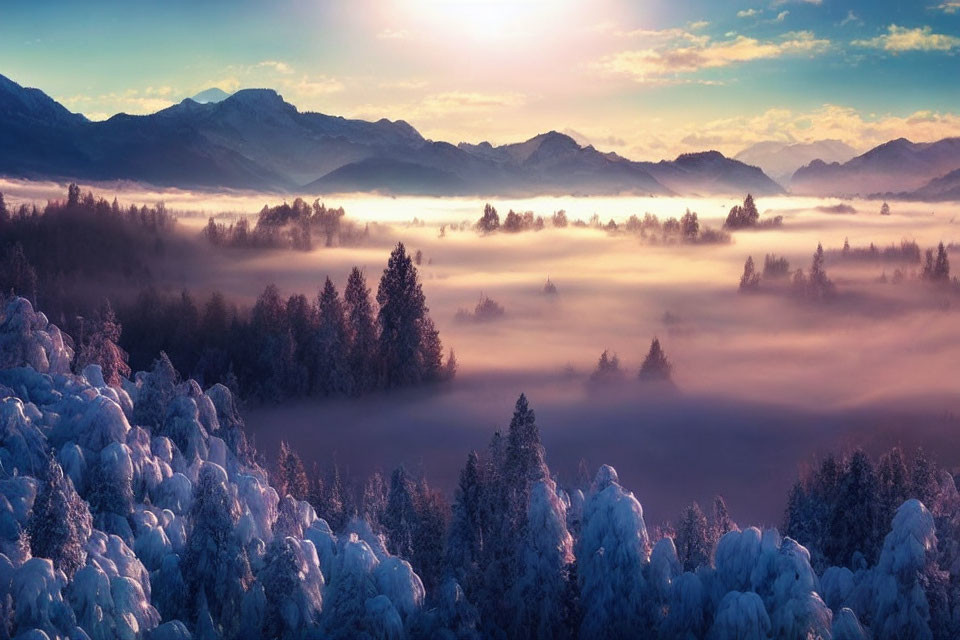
139 508
325 345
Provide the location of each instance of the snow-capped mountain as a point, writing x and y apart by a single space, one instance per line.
253 139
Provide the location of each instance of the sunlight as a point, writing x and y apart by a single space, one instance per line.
488 20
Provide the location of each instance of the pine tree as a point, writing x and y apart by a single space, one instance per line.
363 332
332 372
819 286
941 267
465 539
608 369
885 209
655 367
693 544
431 352
853 526
750 280
60 523
402 311
291 476
524 463
400 519
373 504
750 212
721 523
429 529
893 487
102 347
216 565
923 481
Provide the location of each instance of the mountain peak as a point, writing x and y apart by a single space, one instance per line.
262 98
211 95
700 156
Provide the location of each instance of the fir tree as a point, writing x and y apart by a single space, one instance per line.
400 518
60 523
401 316
941 266
363 333
291 476
750 280
332 373
656 367
693 543
721 523
102 347
465 539
893 487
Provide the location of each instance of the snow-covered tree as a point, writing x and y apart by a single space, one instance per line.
540 594
291 478
60 523
611 554
693 538
216 564
465 538
101 346
900 606
400 518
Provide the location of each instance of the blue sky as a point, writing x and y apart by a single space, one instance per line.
645 78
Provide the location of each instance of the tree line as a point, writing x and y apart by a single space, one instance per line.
330 345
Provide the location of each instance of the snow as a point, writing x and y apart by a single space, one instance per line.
741 616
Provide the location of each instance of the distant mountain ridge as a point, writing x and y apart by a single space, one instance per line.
255 140
897 166
780 160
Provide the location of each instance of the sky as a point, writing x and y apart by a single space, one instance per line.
645 78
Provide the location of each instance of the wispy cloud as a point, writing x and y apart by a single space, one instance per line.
749 13
131 101
852 18
275 65
951 7
686 54
856 128
899 39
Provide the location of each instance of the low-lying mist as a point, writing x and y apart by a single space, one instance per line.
764 382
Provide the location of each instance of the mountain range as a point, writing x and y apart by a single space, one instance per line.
255 140
780 160
899 168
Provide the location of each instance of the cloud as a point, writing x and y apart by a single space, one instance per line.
899 39
315 86
781 16
458 101
685 54
851 18
857 129
749 13
276 65
951 7
131 101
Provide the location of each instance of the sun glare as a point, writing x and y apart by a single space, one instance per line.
488 19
